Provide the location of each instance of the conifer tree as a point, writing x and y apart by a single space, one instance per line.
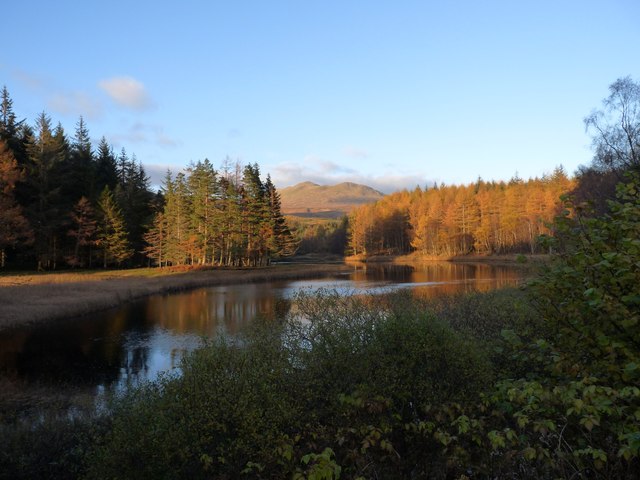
45 207
177 214
83 231
9 126
256 215
112 234
79 172
203 188
106 174
14 227
156 239
280 242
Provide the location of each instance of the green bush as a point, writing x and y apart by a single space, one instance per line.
331 389
578 414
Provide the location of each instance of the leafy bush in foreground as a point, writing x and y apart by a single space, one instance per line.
333 389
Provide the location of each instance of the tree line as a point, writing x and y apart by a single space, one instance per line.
482 217
503 217
228 218
64 203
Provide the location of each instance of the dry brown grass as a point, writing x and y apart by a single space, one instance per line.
27 299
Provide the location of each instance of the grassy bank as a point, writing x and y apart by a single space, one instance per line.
32 298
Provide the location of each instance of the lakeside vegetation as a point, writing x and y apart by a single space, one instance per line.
533 383
538 383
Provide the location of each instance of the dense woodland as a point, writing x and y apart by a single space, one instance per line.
483 217
64 203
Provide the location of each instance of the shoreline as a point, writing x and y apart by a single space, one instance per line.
29 299
508 259
33 300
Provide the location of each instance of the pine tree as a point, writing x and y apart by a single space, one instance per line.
256 215
203 188
134 199
9 126
280 242
156 239
14 227
79 171
45 205
112 234
106 174
83 230
177 214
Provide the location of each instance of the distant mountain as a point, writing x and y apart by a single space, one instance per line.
308 199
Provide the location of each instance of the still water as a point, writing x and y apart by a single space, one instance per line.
140 340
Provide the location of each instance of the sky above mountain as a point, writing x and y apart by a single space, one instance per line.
388 94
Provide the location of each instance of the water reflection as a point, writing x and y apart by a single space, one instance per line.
138 341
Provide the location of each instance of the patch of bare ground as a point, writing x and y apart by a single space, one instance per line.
28 299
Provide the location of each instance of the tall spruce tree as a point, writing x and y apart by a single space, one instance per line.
45 204
79 168
280 242
14 227
256 216
9 126
156 240
83 231
203 188
112 233
106 173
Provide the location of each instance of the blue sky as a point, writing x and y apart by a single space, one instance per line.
390 94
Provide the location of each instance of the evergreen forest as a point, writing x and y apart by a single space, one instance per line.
67 204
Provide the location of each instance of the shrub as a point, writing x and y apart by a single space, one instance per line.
331 389
579 414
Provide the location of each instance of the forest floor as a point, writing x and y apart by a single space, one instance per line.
36 297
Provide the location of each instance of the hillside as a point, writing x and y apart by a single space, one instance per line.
309 199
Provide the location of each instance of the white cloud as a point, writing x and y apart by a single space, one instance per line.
127 92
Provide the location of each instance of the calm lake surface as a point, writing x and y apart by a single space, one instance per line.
139 340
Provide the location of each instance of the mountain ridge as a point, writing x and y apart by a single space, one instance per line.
331 201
